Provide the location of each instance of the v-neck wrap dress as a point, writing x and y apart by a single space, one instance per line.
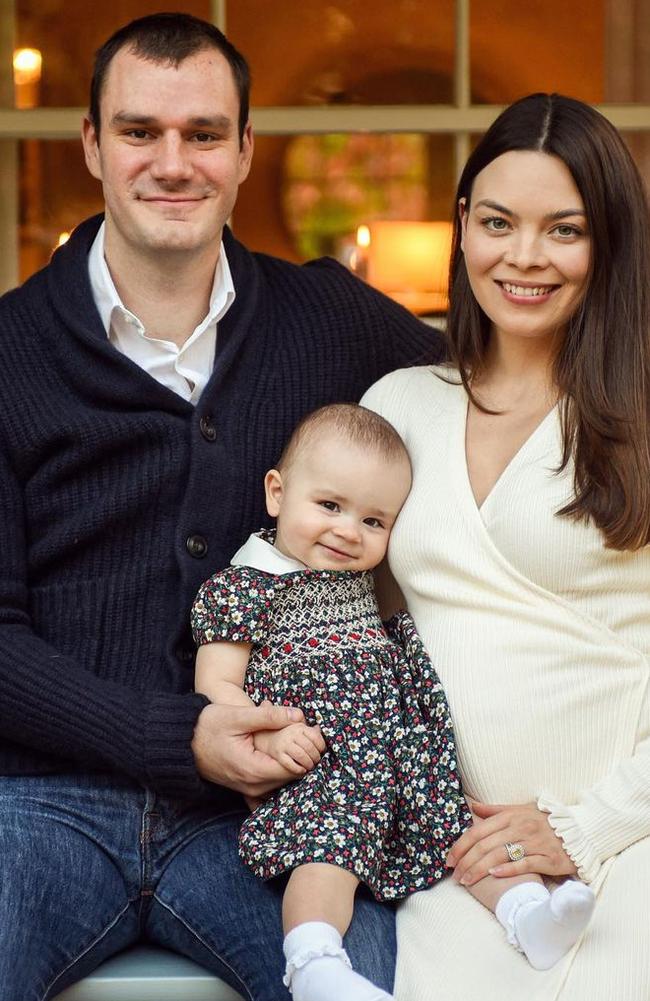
541 639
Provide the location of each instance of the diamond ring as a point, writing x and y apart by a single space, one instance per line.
515 851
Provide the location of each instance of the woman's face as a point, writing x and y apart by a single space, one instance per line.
526 244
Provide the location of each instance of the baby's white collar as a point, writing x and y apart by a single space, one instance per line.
259 553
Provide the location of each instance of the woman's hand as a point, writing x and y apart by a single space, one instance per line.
481 851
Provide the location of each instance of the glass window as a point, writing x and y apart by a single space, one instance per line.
56 193
67 36
306 52
639 146
364 63
551 45
318 189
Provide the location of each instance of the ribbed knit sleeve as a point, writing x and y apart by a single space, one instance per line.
608 817
394 337
49 703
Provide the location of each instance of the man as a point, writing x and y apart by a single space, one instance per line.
151 374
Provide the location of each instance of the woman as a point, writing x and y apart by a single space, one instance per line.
523 552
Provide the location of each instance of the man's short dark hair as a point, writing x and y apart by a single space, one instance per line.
169 38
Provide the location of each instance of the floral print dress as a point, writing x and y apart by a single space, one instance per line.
384 801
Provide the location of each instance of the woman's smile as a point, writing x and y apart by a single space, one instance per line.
526 295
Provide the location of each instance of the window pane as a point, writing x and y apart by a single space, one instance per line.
548 45
639 146
348 52
56 193
306 195
67 35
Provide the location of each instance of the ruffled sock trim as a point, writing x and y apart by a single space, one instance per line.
302 958
511 903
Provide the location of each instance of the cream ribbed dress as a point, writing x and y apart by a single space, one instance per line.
541 637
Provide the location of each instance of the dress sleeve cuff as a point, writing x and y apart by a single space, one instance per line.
169 730
563 821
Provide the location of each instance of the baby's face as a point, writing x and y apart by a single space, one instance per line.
337 503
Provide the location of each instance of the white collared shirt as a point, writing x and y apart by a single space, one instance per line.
185 369
260 554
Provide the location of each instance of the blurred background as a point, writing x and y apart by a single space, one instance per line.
364 113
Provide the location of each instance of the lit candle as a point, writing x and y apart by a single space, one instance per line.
359 258
28 65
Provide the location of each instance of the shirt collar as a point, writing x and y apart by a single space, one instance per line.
261 554
107 297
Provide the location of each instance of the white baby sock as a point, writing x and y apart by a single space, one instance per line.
318 968
543 925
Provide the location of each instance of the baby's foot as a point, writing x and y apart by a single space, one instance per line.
318 968
328 977
547 929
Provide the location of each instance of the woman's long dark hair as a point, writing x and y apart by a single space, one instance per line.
602 369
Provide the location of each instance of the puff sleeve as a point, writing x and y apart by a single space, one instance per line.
233 606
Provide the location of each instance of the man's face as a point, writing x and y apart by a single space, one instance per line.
168 156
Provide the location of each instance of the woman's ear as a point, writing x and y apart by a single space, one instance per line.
463 209
273 489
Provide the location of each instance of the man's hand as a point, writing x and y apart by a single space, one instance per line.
225 753
297 747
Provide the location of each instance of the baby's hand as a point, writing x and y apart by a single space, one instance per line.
296 747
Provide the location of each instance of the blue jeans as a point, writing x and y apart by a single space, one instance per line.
92 864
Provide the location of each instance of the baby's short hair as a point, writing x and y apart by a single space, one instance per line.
352 422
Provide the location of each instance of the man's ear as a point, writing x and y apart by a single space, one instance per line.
246 147
273 488
90 142
463 209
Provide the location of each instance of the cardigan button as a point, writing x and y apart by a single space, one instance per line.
208 430
197 546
